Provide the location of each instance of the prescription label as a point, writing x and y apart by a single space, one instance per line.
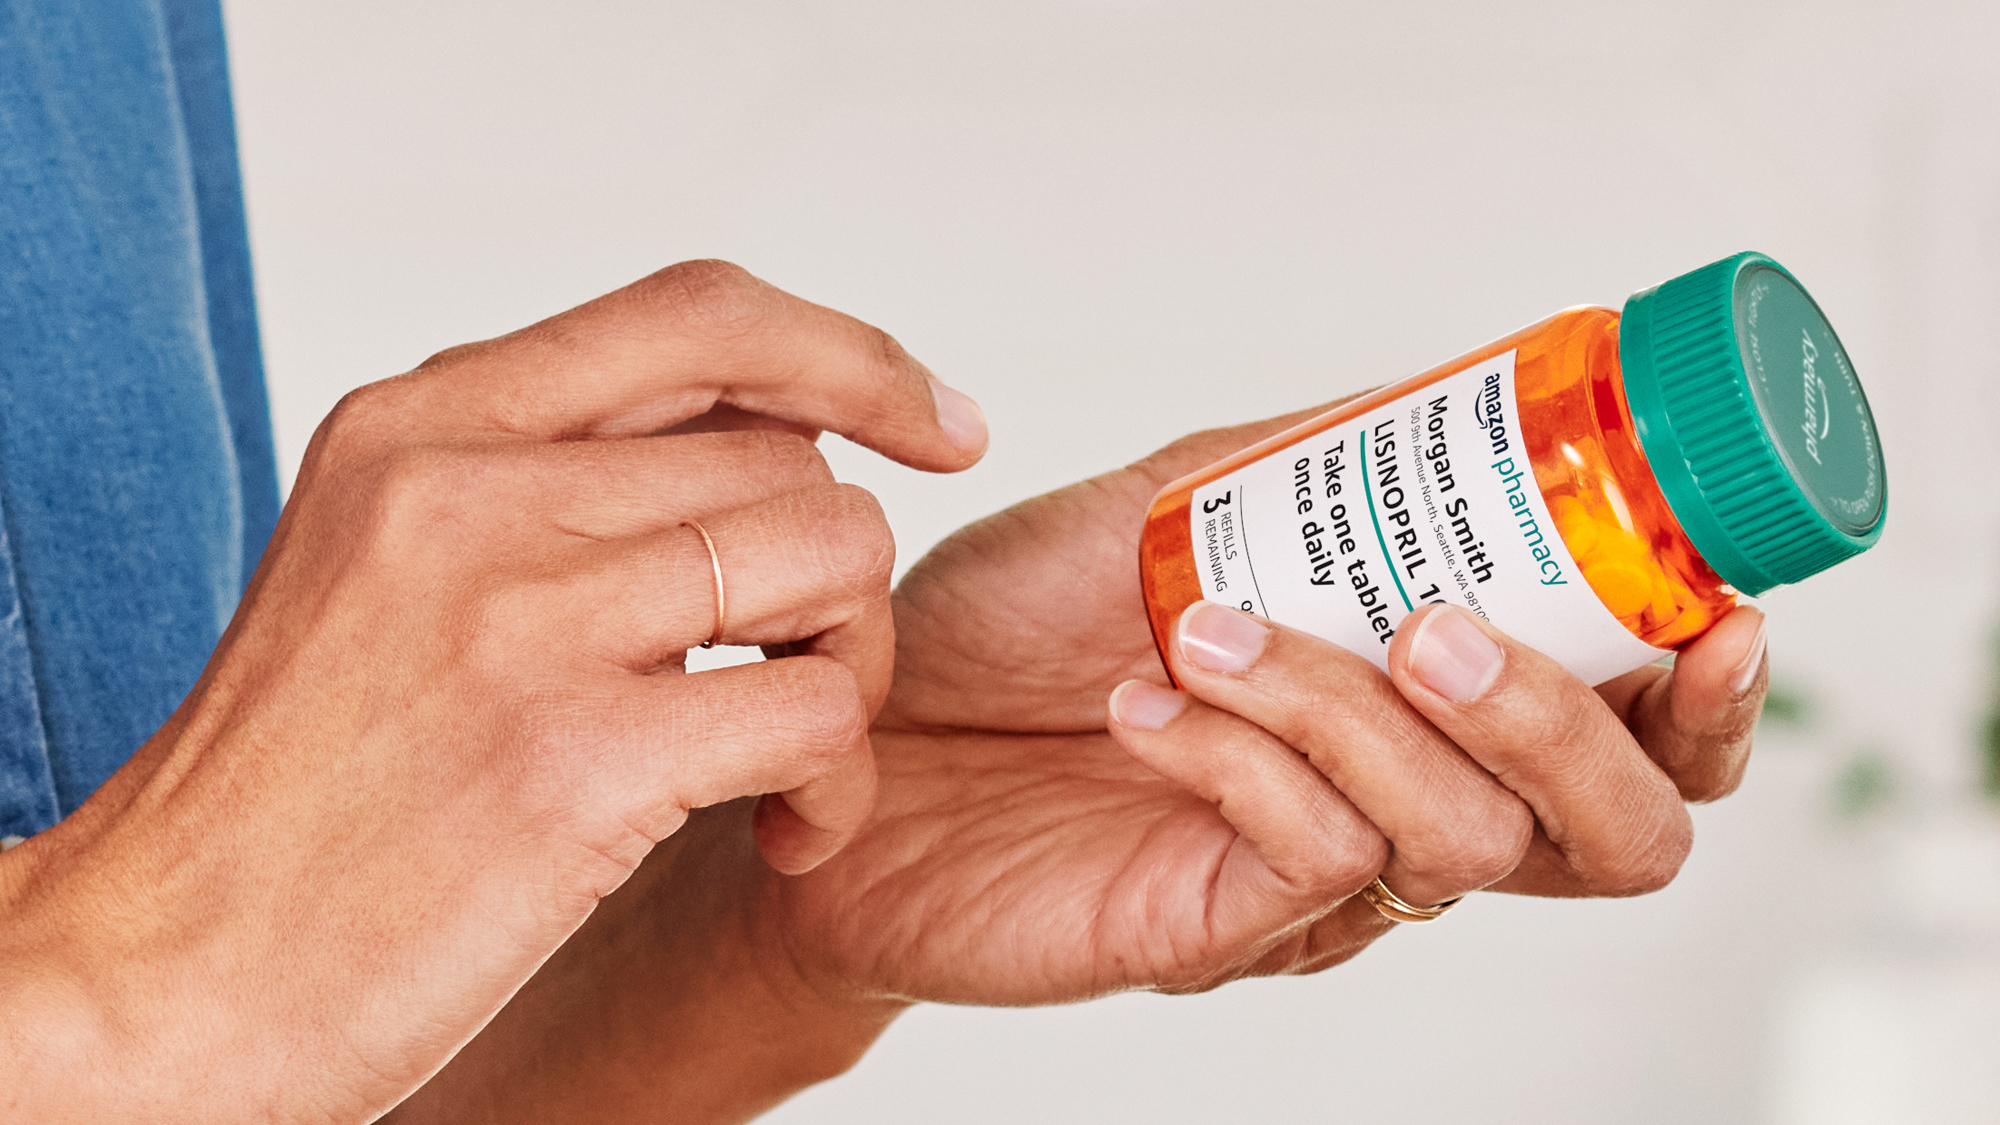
1429 498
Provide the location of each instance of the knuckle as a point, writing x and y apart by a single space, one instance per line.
1727 764
455 355
818 700
425 499
358 424
886 349
1484 846
1201 443
1349 862
1506 828
856 535
1186 453
1645 867
414 485
714 296
886 367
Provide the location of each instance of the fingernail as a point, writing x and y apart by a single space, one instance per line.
963 423
1746 672
1143 706
1453 657
1220 639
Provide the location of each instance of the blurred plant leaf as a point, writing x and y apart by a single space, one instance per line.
1786 705
1864 785
1989 731
1989 750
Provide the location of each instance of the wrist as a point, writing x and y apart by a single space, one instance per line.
819 1020
76 1033
681 985
46 1032
147 973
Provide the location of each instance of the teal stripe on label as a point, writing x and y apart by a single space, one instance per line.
1388 560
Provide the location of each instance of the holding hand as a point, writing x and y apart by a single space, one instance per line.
1031 847
1481 762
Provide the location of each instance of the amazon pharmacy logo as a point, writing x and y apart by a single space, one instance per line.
1819 412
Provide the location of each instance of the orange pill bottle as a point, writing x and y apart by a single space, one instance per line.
1602 485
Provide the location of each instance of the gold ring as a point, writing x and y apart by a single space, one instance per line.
1390 906
715 564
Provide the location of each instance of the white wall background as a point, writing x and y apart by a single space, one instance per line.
1115 221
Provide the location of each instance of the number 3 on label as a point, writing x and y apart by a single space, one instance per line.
1208 507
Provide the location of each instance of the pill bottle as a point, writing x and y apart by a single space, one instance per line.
1602 486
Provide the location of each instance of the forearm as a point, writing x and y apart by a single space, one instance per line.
196 943
47 1035
668 1005
116 987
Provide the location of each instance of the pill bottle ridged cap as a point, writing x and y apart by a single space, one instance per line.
1753 421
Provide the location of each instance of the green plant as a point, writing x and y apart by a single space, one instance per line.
1864 785
1989 746
1786 705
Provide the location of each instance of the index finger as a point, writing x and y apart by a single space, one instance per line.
672 346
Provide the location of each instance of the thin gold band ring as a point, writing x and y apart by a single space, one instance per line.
721 601
1389 905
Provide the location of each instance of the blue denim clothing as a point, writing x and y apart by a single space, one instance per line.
137 482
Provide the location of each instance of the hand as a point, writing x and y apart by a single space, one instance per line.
1027 848
450 714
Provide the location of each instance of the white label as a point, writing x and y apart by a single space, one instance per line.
1429 498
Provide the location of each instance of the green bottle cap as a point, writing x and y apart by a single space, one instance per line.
1753 421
